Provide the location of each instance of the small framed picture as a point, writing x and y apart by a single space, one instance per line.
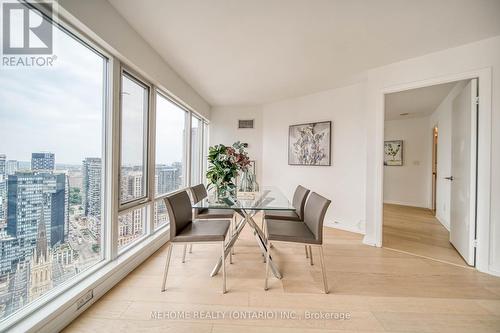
393 153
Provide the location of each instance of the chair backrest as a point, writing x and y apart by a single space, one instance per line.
314 214
199 193
179 211
299 200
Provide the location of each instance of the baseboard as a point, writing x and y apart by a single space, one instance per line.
370 241
344 227
493 272
441 220
409 204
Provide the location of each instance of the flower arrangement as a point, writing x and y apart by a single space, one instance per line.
223 165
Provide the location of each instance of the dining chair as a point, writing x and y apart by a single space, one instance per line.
184 230
199 193
298 202
309 233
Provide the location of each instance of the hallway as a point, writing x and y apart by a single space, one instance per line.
416 231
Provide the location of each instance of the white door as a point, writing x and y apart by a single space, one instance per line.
463 171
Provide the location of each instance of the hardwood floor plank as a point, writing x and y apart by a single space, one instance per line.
415 230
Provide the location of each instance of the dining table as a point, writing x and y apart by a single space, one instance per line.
247 205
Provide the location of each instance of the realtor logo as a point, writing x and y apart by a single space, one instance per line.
26 30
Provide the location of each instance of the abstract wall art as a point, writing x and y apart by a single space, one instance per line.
310 144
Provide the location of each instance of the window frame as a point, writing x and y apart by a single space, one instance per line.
108 131
187 132
136 78
204 152
112 261
200 144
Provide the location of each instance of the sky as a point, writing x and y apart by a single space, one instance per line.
59 109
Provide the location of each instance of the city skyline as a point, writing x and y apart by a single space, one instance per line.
51 230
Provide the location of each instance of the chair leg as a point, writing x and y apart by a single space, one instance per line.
231 250
223 268
184 253
311 255
190 248
167 263
322 259
233 229
307 251
268 254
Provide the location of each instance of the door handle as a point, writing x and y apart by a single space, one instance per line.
449 178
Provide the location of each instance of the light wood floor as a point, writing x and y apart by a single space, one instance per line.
382 290
416 231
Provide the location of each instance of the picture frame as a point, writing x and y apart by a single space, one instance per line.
309 144
393 153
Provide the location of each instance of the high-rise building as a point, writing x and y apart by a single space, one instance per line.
9 247
3 160
11 167
131 225
3 199
130 185
91 185
168 178
43 161
59 226
26 193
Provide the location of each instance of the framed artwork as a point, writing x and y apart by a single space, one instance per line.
310 144
393 153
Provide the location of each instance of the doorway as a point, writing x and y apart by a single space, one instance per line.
430 181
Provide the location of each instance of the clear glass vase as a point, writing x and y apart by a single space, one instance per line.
247 182
221 193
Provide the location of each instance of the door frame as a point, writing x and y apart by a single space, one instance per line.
484 77
435 143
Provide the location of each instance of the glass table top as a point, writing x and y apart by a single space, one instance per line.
268 198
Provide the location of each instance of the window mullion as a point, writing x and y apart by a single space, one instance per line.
188 149
151 161
113 162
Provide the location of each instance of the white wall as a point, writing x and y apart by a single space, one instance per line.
441 118
452 62
343 182
410 184
99 20
224 129
358 112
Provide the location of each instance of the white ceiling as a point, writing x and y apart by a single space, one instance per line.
245 52
416 102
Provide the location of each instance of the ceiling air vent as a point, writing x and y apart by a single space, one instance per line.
248 123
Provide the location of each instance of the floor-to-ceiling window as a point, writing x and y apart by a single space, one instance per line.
170 156
196 149
204 155
134 113
51 197
73 136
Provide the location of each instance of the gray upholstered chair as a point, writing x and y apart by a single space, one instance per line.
309 233
183 230
298 202
199 193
